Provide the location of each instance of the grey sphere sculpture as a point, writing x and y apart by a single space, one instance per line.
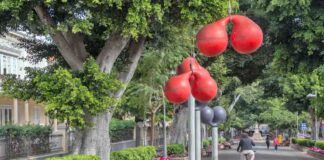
206 115
219 115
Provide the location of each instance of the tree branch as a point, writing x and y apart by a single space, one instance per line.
63 45
75 40
135 51
113 47
156 109
236 98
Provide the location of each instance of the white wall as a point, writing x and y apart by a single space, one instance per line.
12 57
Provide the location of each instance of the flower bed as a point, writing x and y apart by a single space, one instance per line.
316 152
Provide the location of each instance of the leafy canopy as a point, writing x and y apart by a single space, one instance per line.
68 95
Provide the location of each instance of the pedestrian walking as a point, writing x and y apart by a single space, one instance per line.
276 143
268 142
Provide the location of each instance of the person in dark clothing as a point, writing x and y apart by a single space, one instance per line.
245 146
268 141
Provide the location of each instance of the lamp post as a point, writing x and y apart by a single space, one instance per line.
310 96
297 125
165 152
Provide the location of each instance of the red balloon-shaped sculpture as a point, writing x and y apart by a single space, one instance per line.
246 36
185 66
177 88
204 87
212 39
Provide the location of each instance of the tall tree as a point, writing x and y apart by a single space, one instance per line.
295 32
113 32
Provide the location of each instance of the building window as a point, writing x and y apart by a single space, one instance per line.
37 115
4 71
5 114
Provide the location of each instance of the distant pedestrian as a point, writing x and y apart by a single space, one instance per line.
268 141
276 143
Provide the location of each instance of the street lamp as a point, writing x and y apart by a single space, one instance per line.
165 152
310 96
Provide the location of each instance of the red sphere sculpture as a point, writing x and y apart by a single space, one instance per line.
246 36
204 88
177 88
212 39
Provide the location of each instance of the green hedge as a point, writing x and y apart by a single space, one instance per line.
137 153
117 124
175 149
294 140
25 130
120 130
305 142
75 157
320 144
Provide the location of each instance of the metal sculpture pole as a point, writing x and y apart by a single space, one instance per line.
165 152
215 143
191 128
198 134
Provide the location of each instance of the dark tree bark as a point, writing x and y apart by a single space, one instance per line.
179 127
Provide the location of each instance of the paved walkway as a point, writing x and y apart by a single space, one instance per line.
284 153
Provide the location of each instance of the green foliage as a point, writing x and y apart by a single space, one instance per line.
294 31
25 130
75 157
175 149
121 129
117 124
305 142
133 18
221 140
273 115
318 87
207 143
138 153
320 144
69 95
294 140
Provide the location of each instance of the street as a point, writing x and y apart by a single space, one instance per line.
284 153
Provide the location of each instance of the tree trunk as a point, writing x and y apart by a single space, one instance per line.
87 141
179 128
312 114
204 134
95 139
152 128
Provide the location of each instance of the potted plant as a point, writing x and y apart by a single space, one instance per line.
177 152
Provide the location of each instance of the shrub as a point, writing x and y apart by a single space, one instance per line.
305 142
25 130
175 149
310 143
320 144
206 143
136 153
75 157
293 140
221 140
